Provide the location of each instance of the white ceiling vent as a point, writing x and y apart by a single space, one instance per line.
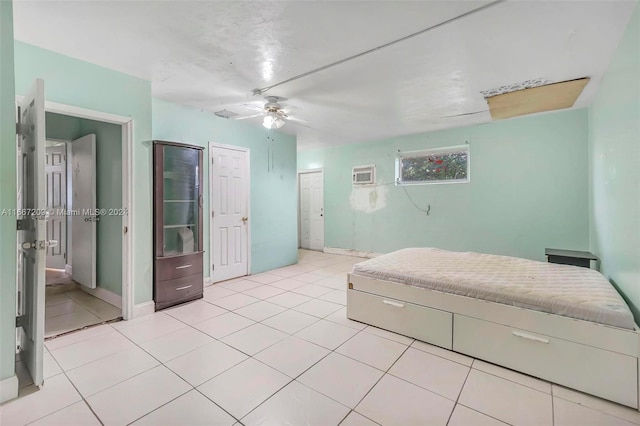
364 175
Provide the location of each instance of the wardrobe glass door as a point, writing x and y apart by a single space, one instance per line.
181 197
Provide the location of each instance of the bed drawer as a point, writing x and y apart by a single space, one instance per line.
599 372
430 325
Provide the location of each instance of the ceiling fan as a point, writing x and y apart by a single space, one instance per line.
274 112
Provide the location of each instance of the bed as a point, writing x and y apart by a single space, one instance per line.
561 323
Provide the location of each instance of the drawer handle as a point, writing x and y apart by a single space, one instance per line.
396 304
183 266
530 337
184 287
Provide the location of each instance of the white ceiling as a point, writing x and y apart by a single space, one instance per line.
211 54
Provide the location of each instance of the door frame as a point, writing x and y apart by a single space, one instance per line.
212 146
303 172
127 125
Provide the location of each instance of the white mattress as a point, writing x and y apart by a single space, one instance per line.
558 289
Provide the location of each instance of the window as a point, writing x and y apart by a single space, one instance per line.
438 165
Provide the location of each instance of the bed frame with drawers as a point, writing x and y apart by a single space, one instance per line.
597 359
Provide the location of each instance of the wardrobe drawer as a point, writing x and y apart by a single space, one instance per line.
178 289
599 372
178 266
430 325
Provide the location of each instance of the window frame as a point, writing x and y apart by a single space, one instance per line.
431 151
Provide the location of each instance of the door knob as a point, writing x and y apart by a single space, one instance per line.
245 219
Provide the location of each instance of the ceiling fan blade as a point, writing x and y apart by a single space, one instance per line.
253 107
289 110
464 114
244 117
232 100
297 120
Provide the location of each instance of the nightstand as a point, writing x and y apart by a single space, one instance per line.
584 259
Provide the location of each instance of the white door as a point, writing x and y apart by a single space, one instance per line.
55 170
32 234
312 211
229 195
85 217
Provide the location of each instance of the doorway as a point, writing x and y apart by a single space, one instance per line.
230 231
83 163
311 209
33 216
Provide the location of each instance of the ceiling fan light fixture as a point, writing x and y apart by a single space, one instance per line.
272 122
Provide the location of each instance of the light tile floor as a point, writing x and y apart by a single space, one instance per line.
286 354
68 308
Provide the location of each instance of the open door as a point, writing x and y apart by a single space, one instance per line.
32 228
85 218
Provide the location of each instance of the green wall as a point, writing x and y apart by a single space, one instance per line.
7 194
273 217
108 191
62 127
614 160
528 190
78 83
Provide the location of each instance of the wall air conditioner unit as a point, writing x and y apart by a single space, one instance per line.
364 175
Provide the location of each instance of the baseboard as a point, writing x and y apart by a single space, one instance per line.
350 252
68 269
207 282
8 388
143 309
106 295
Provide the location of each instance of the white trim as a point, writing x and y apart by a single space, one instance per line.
350 252
213 145
103 294
68 269
9 388
127 220
74 111
143 309
316 170
127 124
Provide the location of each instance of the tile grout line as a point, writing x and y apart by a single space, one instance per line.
455 403
216 404
168 402
601 411
485 414
82 399
303 372
513 381
163 364
440 356
384 373
129 378
553 410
